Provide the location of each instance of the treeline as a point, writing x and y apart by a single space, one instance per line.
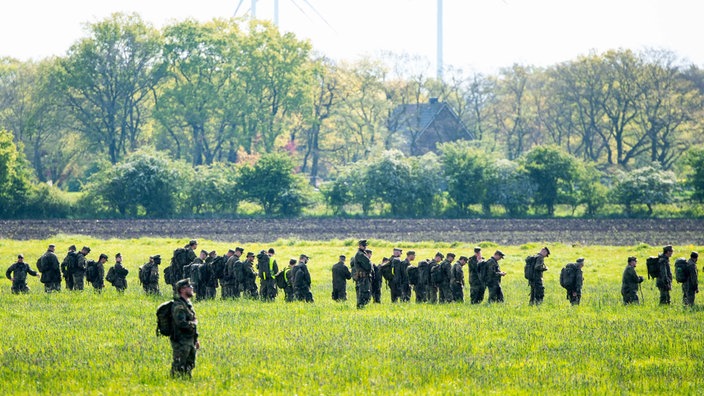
224 93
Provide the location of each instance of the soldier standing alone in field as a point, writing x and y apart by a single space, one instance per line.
690 287
476 286
630 282
664 279
17 273
537 289
184 340
68 265
493 277
363 268
117 274
457 285
79 272
574 281
51 272
340 275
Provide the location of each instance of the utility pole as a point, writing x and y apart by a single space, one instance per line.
439 44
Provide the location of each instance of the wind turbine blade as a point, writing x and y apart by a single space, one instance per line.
319 15
238 7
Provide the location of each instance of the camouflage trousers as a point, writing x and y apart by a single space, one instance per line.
184 357
445 292
394 291
630 298
420 293
209 293
537 291
495 293
375 293
476 293
364 291
432 294
339 294
267 289
151 288
688 294
575 297
52 286
250 290
98 286
69 282
457 292
664 295
288 292
230 291
19 287
78 281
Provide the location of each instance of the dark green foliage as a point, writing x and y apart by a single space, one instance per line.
465 170
695 159
15 179
553 172
272 183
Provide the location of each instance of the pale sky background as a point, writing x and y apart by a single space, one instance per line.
479 35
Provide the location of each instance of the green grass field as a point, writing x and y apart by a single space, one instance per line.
85 343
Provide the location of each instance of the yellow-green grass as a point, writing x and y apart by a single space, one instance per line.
70 342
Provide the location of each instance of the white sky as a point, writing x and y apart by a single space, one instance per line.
480 35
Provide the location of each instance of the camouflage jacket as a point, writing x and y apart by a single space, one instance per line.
185 323
50 264
630 280
665 278
19 272
457 274
340 274
493 272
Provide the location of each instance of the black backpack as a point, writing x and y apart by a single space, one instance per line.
168 275
40 265
110 277
436 274
412 275
281 279
653 268
218 266
681 275
529 268
179 260
91 271
165 319
144 274
483 271
567 276
387 271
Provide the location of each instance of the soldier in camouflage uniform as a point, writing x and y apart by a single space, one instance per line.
340 275
363 273
444 286
288 271
230 283
375 278
476 286
209 276
302 281
17 273
432 288
494 275
184 340
395 284
664 281
150 279
537 289
99 282
457 284
50 269
267 276
189 272
249 276
630 282
574 292
79 272
68 265
690 287
119 274
421 287
403 283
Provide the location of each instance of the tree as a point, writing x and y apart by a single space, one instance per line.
465 170
15 181
108 79
553 172
695 160
648 186
509 186
144 183
271 183
213 189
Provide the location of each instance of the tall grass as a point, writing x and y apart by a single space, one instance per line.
72 342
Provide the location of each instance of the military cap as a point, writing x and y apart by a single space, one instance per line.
398 250
182 283
118 255
250 254
477 249
632 258
362 242
580 260
342 257
192 242
86 248
463 258
384 259
500 253
203 251
212 252
368 251
239 249
667 248
451 255
52 246
157 258
20 256
694 255
72 247
546 250
303 256
410 253
292 261
438 254
103 256
230 251
271 250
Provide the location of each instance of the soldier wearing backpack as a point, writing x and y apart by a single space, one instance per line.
184 340
95 273
432 288
48 265
493 277
690 287
403 281
376 279
630 282
68 265
149 275
340 275
363 273
249 276
537 289
421 286
268 268
394 280
79 272
117 274
571 278
446 278
230 283
17 273
457 284
664 279
476 285
302 281
288 279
